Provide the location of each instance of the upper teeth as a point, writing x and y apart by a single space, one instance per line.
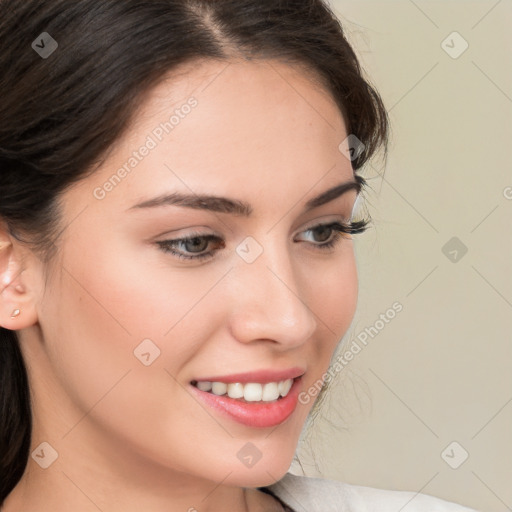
252 391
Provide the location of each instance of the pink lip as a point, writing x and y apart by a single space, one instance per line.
261 376
253 414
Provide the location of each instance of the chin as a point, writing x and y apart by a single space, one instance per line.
261 474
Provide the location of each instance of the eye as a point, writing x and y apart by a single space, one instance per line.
193 246
332 233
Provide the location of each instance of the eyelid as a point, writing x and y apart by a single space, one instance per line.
176 234
209 234
342 219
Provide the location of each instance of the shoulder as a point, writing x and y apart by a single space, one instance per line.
311 494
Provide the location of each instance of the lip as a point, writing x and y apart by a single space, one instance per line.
253 414
260 376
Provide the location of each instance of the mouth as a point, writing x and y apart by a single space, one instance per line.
255 400
249 392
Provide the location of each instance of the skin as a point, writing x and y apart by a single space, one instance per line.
131 437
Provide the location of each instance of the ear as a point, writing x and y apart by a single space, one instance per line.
17 305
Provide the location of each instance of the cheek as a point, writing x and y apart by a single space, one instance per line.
334 303
130 293
94 320
98 308
334 292
107 309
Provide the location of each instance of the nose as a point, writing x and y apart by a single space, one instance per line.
268 301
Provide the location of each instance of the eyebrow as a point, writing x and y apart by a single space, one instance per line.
241 208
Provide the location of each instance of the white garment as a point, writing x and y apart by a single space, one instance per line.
306 494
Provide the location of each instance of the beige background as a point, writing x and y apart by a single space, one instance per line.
440 371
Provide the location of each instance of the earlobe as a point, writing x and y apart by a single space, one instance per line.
17 309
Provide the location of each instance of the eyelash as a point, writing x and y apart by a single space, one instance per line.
339 228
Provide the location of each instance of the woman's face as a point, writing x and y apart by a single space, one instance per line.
126 327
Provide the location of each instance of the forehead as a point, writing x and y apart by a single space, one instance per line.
230 128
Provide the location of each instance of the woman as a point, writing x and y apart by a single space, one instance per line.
178 190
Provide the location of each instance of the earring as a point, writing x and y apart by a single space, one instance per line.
15 313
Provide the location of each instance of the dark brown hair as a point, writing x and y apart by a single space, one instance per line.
60 115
